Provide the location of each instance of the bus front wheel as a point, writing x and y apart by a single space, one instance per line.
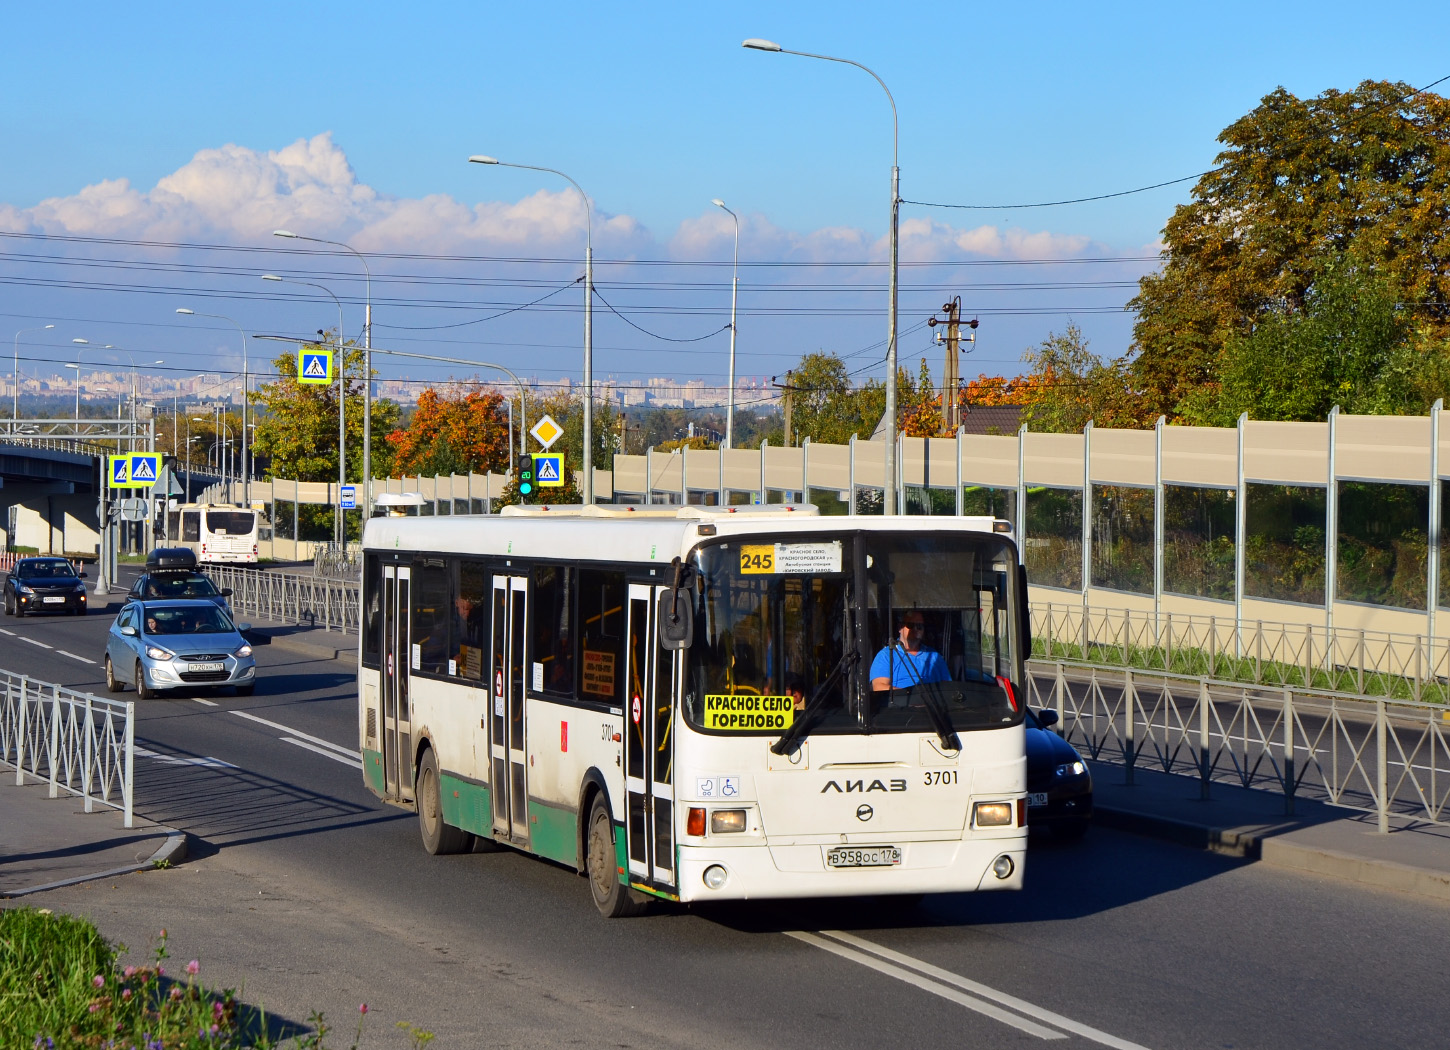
438 836
612 897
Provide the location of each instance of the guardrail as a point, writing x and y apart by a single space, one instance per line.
343 563
1364 753
1302 656
292 597
83 745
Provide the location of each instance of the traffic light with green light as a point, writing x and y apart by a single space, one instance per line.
525 474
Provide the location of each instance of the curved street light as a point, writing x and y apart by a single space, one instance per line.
246 389
15 375
734 294
889 492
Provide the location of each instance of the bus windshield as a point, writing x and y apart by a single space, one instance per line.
871 632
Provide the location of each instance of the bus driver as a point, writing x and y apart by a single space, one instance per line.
904 663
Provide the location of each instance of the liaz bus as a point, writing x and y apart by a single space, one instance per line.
217 532
703 703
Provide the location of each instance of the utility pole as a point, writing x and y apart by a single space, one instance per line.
787 390
952 369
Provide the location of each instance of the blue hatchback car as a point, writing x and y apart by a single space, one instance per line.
163 645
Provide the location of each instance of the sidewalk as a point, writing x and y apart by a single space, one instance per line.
50 842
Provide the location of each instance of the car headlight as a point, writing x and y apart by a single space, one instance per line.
80 588
20 588
245 650
158 653
1071 769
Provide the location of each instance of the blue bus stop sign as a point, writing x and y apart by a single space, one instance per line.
349 497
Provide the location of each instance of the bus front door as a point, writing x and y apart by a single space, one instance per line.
508 773
649 769
397 725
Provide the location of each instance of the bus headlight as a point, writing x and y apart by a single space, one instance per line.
715 876
993 815
726 821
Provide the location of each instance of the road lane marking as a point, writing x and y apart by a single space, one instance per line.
12 634
935 987
32 641
947 977
356 763
177 760
73 656
356 756
209 703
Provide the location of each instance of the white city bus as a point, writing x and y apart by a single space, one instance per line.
682 703
217 532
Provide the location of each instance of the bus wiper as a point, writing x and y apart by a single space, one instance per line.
790 740
941 718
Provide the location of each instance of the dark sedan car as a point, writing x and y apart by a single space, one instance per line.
171 573
1059 786
44 585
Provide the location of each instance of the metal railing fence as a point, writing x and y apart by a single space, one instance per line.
1302 656
342 562
1364 753
292 597
81 744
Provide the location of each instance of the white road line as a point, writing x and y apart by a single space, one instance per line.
209 703
947 977
32 641
936 988
177 760
356 756
356 763
12 634
73 656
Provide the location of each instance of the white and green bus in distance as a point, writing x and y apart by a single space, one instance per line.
703 703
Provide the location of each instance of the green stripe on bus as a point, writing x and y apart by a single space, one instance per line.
554 832
373 771
466 805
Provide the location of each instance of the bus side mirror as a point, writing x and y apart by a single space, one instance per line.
677 619
1026 612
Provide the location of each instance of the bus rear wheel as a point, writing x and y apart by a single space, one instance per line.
612 897
438 836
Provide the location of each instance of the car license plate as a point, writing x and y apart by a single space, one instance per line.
863 856
52 601
206 667
1037 798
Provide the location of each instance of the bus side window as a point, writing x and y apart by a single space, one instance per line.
470 620
552 635
601 626
432 617
191 526
373 609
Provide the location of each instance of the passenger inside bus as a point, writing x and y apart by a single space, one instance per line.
906 662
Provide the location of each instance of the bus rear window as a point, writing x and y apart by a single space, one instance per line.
230 522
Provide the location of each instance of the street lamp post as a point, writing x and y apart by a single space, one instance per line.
340 519
587 458
247 474
367 449
15 375
83 343
734 294
889 492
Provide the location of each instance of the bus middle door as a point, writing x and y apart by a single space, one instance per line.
508 761
649 755
397 720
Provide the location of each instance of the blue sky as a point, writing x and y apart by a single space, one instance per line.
654 109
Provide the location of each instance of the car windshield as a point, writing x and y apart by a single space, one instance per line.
196 619
230 522
41 570
178 585
872 632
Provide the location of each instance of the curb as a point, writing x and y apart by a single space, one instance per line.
307 648
1279 853
172 851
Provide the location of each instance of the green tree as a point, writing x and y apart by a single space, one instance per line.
826 406
1348 344
1301 184
1069 385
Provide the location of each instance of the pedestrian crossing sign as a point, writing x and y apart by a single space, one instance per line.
134 470
549 471
314 366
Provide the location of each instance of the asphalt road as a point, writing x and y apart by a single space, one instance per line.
313 896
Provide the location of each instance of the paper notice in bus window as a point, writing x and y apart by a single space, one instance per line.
470 662
785 558
417 656
538 676
748 714
598 673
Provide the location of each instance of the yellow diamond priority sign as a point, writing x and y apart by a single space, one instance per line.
546 431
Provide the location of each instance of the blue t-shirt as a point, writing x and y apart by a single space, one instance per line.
907 669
